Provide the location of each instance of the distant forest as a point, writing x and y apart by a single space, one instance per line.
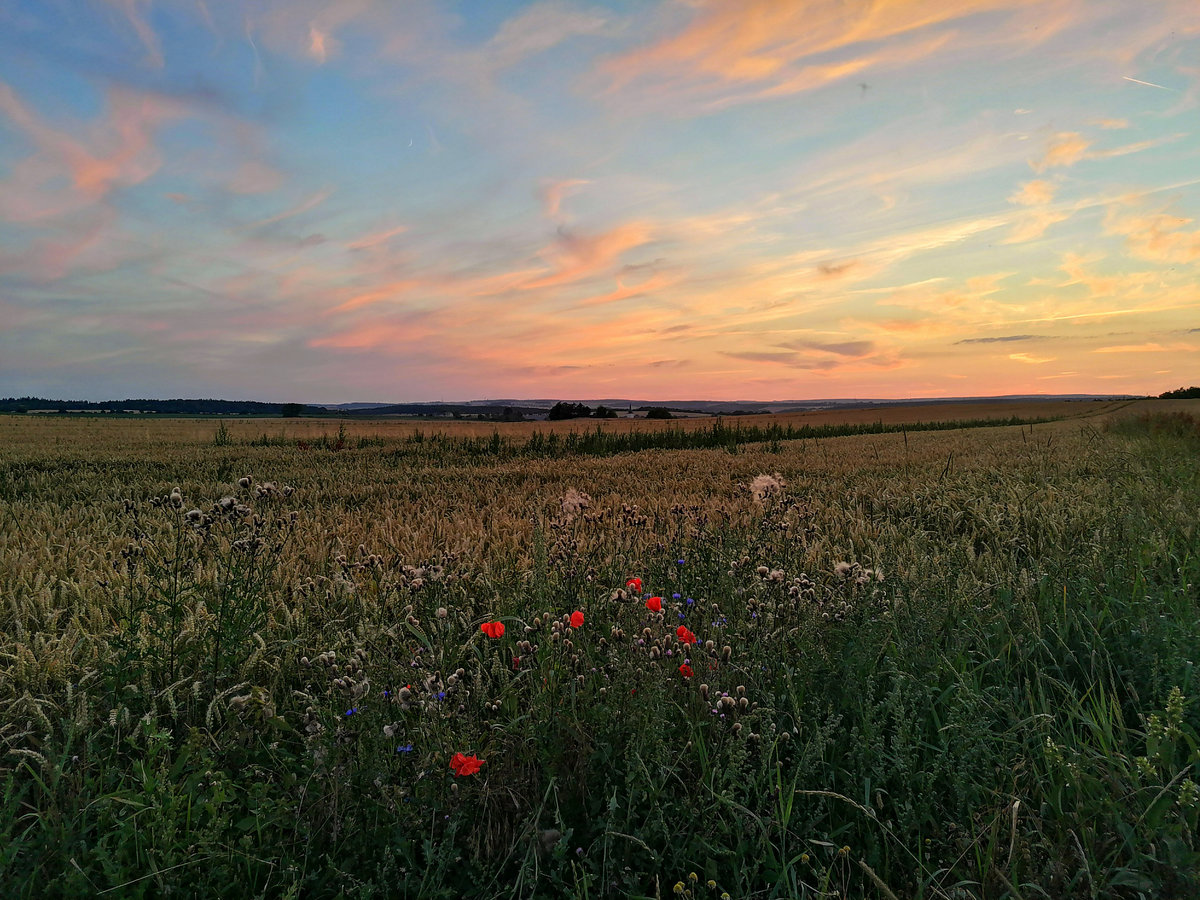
1191 393
173 407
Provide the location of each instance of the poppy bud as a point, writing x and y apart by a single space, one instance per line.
743 704
741 690
704 691
726 653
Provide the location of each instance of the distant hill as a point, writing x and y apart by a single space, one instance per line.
501 410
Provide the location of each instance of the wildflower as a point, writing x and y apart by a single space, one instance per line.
576 619
574 502
679 562
654 604
352 710
635 584
493 629
764 486
465 765
405 748
685 635
686 671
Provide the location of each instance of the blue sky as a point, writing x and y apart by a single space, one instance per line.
299 200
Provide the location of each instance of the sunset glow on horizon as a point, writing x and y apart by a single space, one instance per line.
375 200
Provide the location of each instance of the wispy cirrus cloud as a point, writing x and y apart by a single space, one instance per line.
135 12
759 49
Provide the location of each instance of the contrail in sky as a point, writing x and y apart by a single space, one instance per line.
1161 87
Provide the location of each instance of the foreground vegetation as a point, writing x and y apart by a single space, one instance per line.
952 664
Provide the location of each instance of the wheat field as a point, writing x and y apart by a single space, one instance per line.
920 663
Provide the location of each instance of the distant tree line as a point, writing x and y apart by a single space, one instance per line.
563 410
1190 393
171 407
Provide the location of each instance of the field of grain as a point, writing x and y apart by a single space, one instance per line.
929 663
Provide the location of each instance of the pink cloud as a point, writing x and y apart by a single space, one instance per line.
576 256
553 192
116 150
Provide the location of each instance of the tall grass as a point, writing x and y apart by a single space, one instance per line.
933 664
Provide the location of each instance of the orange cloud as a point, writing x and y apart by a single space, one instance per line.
1033 193
1066 149
656 282
376 238
317 43
1157 236
578 256
763 48
385 292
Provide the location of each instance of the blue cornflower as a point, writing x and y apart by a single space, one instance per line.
682 617
440 695
676 596
352 710
679 562
690 601
405 748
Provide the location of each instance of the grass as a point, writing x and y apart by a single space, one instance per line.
953 663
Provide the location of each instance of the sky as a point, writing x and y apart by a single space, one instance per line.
391 200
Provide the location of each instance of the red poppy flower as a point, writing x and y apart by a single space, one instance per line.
654 604
465 765
686 671
685 635
576 619
493 629
635 584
